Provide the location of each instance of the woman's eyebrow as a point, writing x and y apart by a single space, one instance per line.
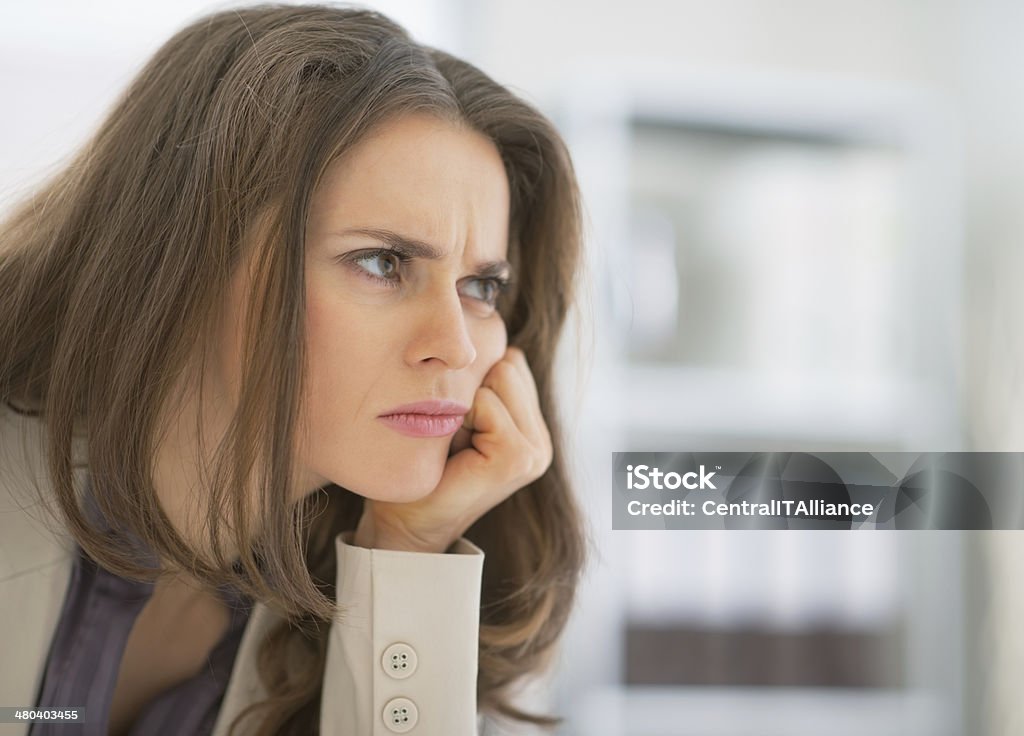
419 249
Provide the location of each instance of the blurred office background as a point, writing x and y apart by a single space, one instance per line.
804 222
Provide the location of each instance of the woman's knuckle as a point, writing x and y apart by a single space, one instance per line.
487 394
503 370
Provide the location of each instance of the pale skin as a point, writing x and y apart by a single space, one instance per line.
432 334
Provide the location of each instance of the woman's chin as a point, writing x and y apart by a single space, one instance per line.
406 487
401 493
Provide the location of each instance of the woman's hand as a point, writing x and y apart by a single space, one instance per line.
503 445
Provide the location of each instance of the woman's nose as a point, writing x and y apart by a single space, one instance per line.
441 332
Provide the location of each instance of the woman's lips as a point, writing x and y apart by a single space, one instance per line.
431 407
433 418
423 425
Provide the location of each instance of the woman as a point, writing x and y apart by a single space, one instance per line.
229 327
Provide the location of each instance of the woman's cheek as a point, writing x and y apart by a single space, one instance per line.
488 356
498 341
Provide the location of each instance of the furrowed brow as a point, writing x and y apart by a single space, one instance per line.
419 249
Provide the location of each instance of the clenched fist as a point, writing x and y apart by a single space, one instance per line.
503 445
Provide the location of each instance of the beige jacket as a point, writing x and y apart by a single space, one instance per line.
423 607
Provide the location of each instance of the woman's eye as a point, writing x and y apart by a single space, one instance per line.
383 265
488 290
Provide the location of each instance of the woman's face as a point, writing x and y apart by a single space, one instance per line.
385 331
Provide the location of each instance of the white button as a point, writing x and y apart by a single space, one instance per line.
400 715
399 660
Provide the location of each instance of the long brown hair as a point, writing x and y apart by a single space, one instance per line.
112 275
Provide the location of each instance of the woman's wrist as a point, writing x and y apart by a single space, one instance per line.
369 536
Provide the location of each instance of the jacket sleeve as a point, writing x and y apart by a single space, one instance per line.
402 650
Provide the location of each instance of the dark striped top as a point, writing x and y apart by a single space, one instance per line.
85 654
